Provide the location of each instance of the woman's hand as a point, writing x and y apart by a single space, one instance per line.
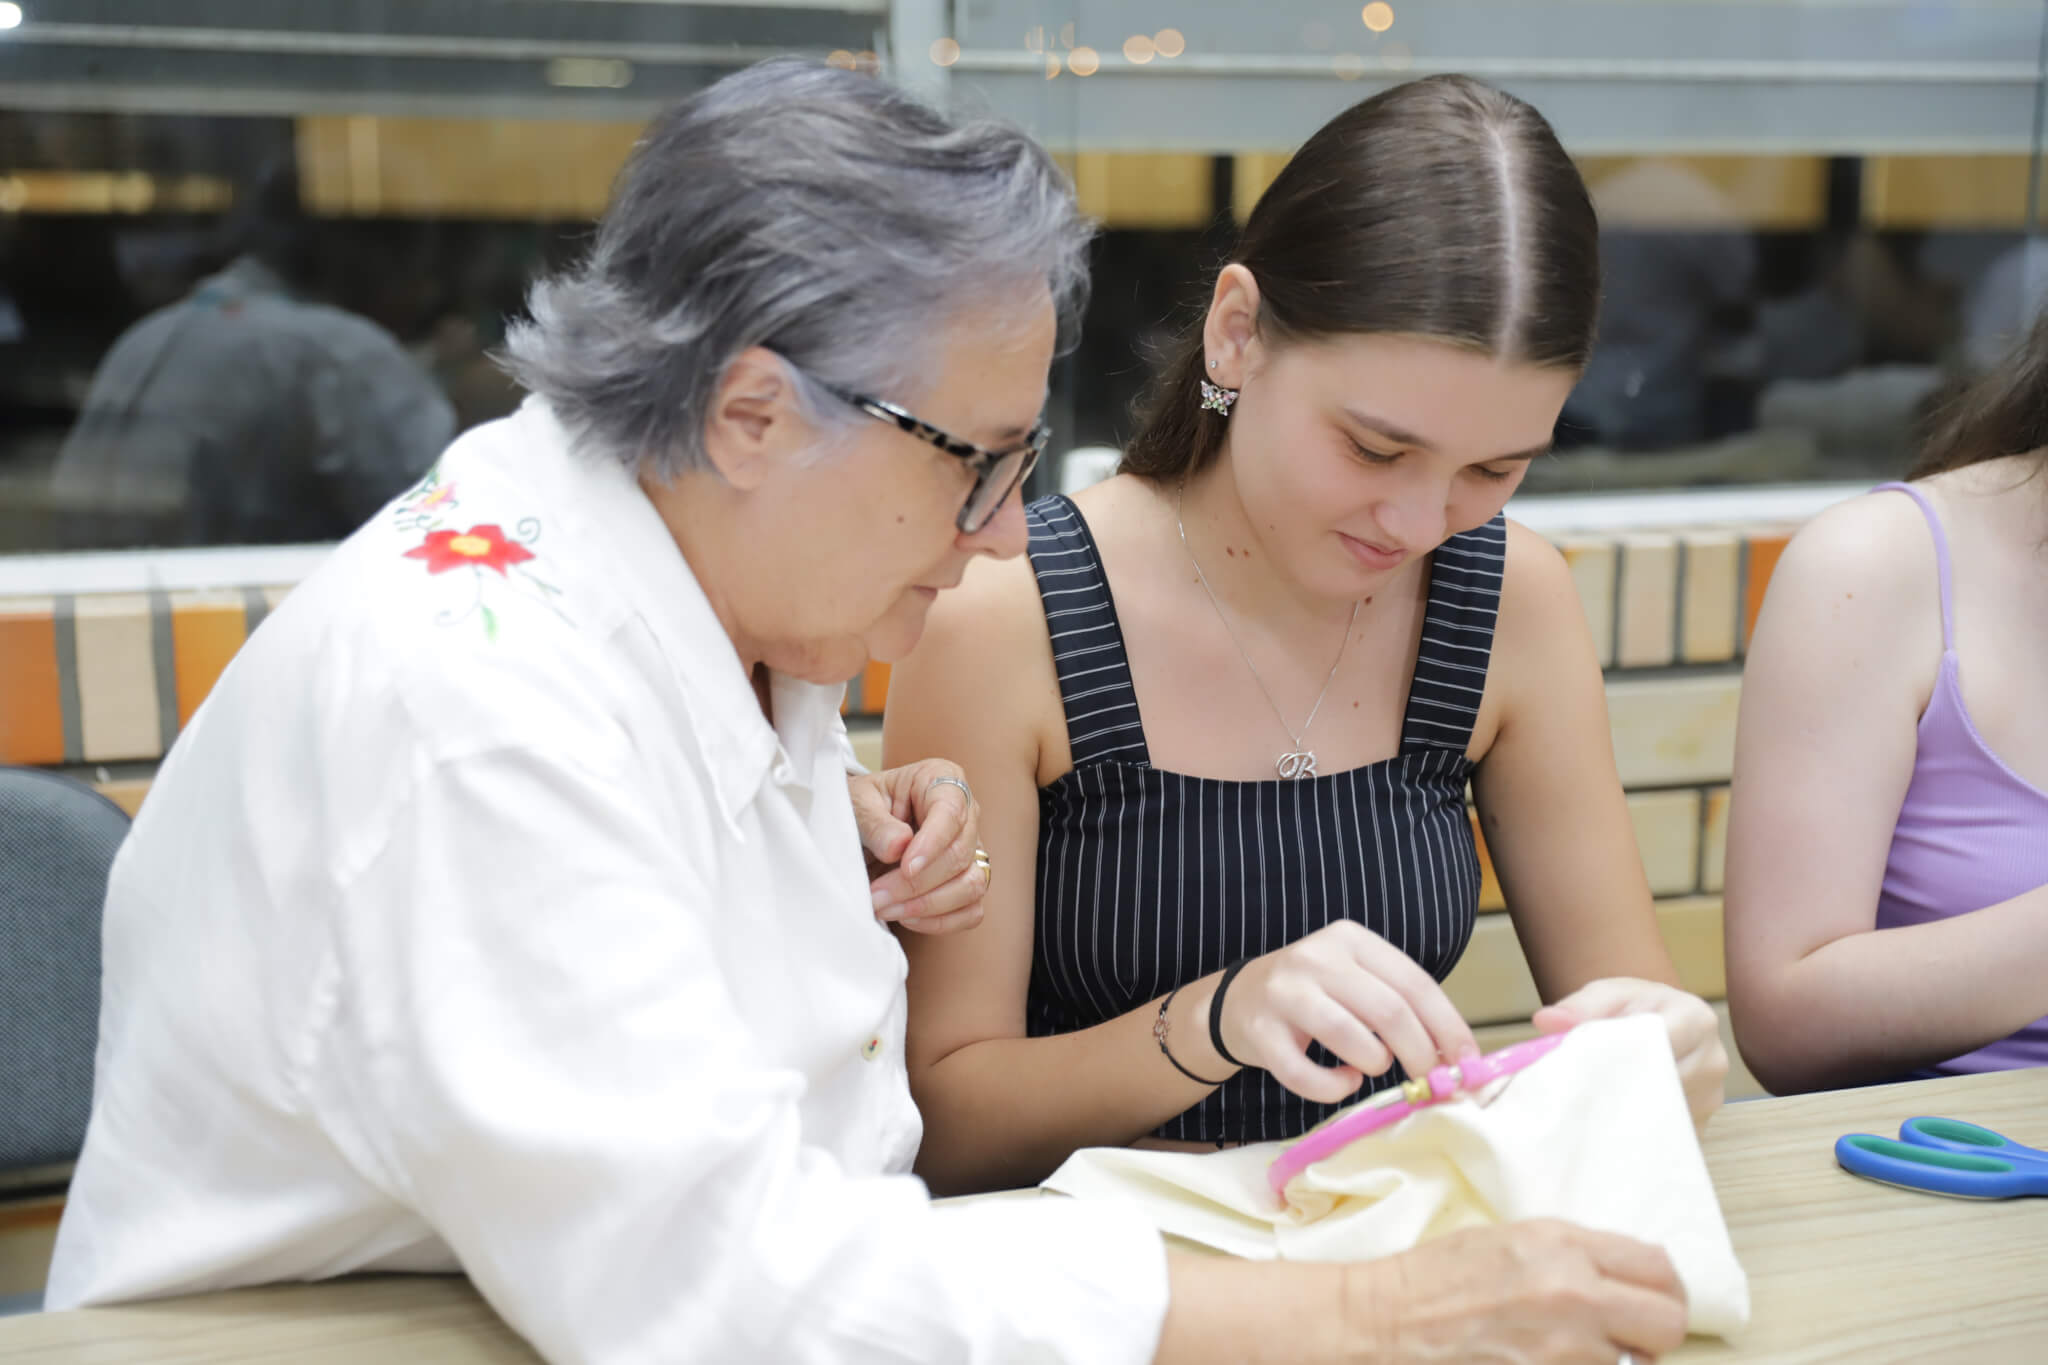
1355 993
1532 1293
920 829
1695 1032
1536 1292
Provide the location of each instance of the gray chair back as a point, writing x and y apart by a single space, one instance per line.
57 842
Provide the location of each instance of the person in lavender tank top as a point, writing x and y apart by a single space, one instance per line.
1887 887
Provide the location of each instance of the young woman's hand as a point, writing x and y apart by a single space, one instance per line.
1694 1030
1355 993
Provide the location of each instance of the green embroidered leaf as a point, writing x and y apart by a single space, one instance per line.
490 625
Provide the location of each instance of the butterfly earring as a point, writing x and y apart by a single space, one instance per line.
1215 398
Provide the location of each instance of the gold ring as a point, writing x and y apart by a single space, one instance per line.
981 861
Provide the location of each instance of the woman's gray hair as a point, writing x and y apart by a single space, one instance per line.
820 213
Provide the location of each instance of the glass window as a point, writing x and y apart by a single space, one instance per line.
1817 218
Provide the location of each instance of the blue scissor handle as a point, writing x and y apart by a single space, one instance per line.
1954 1135
1937 1170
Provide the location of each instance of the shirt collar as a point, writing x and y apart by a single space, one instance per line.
605 504
245 275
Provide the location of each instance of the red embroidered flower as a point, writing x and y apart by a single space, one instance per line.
483 547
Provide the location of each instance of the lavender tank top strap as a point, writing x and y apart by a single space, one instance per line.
1948 639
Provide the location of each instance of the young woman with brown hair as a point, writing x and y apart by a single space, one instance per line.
1891 770
1230 708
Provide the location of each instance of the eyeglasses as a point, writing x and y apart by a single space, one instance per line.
997 473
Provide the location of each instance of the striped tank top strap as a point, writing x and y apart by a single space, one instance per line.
1087 643
1457 639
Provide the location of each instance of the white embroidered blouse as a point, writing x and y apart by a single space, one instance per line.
481 920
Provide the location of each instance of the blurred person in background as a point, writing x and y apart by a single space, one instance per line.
251 412
1677 266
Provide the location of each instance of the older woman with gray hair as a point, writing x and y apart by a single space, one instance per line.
504 911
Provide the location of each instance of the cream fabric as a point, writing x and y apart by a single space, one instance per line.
1597 1133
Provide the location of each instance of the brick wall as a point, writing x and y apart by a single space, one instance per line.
99 684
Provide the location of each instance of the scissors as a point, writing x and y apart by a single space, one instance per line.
1946 1156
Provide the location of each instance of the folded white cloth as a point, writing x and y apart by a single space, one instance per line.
1597 1133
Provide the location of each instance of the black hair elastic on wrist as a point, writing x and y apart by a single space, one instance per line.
1216 1010
1159 1037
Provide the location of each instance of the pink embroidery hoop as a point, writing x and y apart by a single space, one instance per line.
1395 1105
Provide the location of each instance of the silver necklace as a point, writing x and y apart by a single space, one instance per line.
1299 762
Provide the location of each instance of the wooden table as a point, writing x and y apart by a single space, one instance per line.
1839 1268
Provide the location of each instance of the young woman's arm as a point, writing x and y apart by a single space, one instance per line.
1001 1109
1844 660
1558 830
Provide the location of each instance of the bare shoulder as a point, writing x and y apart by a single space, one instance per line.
984 663
1534 566
1132 523
1855 596
1537 595
994 597
1875 549
1541 647
1115 508
985 628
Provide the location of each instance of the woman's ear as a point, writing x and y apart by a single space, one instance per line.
1231 328
755 423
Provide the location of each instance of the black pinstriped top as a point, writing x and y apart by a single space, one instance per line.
1149 879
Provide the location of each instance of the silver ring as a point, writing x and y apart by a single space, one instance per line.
965 790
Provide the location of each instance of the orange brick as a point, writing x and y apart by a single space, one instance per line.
874 688
1763 558
205 633
31 707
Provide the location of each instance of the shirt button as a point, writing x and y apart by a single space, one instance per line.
871 1049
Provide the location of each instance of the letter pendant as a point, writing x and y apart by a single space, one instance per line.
1295 766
